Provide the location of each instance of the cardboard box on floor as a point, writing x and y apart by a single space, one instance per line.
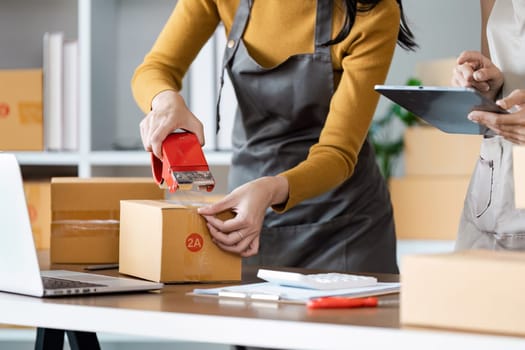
428 207
168 241
21 122
430 151
479 291
85 216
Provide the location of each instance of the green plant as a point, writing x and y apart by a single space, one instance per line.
386 134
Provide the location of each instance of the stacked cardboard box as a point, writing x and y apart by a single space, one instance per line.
428 199
21 123
85 216
38 198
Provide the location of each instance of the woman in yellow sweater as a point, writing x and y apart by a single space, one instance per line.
305 185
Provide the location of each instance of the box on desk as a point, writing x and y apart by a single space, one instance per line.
477 290
85 216
21 122
168 241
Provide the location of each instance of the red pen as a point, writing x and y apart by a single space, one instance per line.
345 302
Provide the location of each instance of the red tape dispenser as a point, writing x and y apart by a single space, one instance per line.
183 165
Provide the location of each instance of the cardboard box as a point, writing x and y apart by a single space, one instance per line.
430 151
436 72
167 241
21 123
38 199
428 207
85 216
480 291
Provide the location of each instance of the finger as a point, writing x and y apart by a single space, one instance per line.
253 248
157 137
512 133
220 236
516 97
195 126
486 118
481 86
516 139
235 242
238 249
217 207
228 238
224 225
463 75
474 58
143 126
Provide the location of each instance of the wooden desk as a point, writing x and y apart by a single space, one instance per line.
171 314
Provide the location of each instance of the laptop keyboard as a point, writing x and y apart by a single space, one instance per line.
58 283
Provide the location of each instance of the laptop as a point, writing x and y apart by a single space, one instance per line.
19 269
446 108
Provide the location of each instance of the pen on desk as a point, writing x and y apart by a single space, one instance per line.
101 267
346 302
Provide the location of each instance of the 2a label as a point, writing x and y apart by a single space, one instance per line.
194 242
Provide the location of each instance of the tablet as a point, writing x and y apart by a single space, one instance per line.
443 107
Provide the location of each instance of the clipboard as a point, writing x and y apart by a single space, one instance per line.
446 108
266 291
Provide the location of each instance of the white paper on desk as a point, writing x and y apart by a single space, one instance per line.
301 294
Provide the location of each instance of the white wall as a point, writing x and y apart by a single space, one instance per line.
442 28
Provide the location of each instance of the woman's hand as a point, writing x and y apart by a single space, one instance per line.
477 71
249 202
168 113
510 126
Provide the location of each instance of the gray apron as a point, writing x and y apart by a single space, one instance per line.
281 112
490 219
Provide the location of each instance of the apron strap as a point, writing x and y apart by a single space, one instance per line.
239 25
323 26
323 33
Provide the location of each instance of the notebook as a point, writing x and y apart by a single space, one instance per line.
19 269
446 108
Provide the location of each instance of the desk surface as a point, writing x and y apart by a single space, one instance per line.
172 314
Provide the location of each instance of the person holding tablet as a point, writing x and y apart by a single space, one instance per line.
490 219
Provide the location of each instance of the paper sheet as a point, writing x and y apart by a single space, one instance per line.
258 291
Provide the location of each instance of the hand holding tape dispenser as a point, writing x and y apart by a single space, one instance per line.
183 165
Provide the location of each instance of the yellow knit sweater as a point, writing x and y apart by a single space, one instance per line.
276 30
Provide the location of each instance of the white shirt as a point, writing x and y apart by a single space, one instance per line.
506 39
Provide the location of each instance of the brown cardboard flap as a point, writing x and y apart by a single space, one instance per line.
71 194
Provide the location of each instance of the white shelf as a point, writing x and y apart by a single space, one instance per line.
113 38
48 158
105 158
134 158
